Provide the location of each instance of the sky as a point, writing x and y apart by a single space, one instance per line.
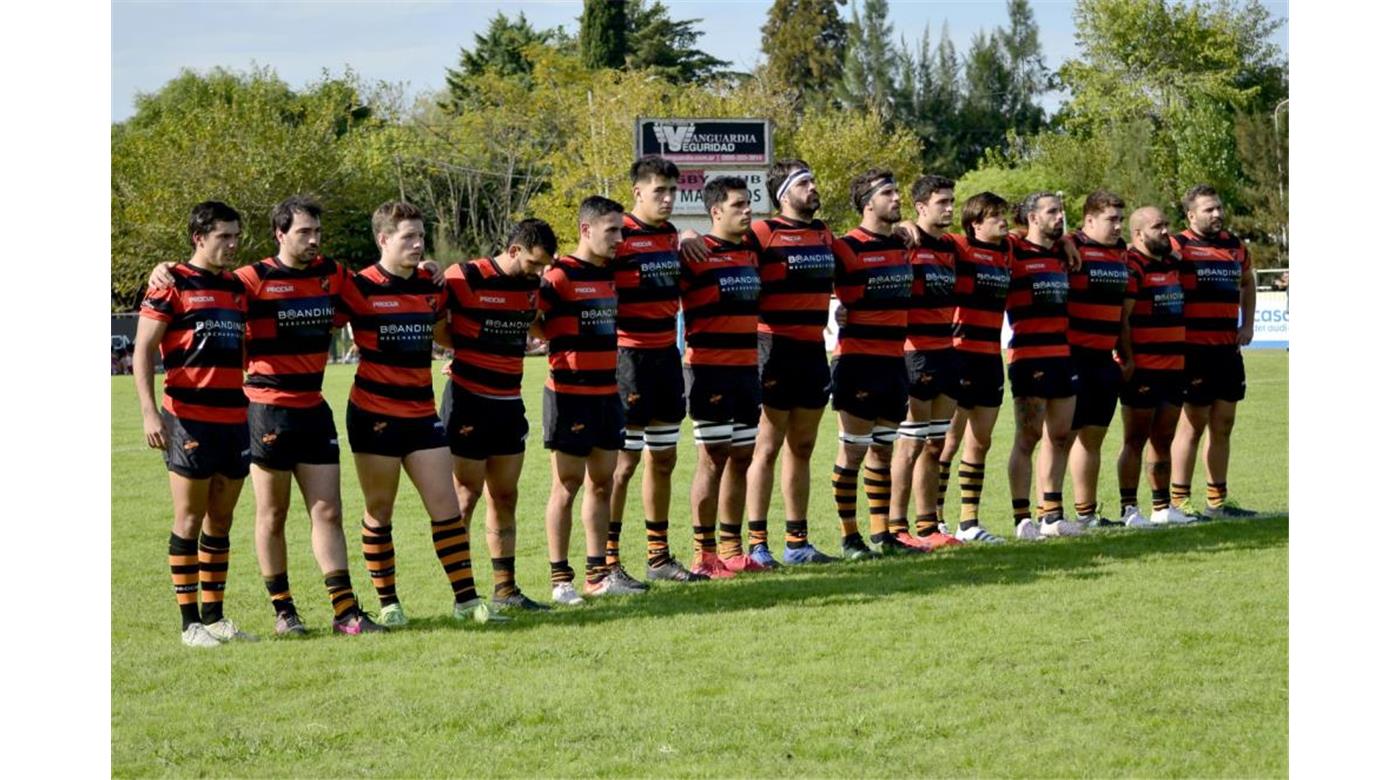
415 42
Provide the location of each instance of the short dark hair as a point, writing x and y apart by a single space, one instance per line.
778 173
1030 203
979 207
1198 191
595 206
204 215
1099 200
284 213
861 189
925 186
717 190
654 165
387 217
531 233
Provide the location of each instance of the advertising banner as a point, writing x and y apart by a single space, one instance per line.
698 141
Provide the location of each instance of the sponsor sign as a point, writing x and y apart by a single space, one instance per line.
705 140
690 190
1270 320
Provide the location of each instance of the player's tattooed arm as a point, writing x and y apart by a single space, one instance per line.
148 336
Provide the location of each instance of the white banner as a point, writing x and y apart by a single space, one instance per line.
690 189
1271 320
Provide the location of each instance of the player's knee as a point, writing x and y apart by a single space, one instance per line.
1059 440
505 499
187 525
801 448
569 484
271 519
624 471
218 523
664 461
1222 425
601 490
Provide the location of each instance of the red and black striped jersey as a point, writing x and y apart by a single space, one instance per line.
647 272
491 313
1096 293
873 282
1157 320
797 266
1212 269
393 320
291 313
979 292
720 297
579 303
202 348
1037 302
931 303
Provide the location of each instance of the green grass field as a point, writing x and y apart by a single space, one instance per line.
1156 653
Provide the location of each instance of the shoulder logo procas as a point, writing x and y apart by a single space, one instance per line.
674 136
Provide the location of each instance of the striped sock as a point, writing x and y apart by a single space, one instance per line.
970 479
1086 508
598 568
454 552
184 573
795 534
658 549
926 525
1020 509
899 525
703 539
877 496
730 540
280 592
1181 494
1216 493
377 544
213 573
1128 497
1161 499
843 489
758 532
1052 504
503 577
945 475
560 572
612 550
342 594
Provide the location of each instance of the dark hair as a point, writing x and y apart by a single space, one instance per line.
778 173
925 186
387 217
861 189
285 212
1099 200
204 215
978 208
531 233
1198 191
595 206
654 165
717 190
1030 203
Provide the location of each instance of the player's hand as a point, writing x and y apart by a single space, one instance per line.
1246 334
1127 368
154 428
905 232
433 268
692 246
841 315
1072 253
161 277
447 368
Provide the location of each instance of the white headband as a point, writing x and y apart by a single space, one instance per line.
798 175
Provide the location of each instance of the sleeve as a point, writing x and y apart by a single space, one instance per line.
1134 280
1246 265
440 305
848 283
161 304
349 303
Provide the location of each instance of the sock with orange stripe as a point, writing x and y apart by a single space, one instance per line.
560 572
1128 497
970 477
945 475
843 489
341 593
877 496
1020 510
795 534
703 539
612 551
730 540
1052 504
280 592
598 568
213 573
454 552
503 577
377 544
184 573
1181 494
1216 493
926 525
658 546
1161 499
758 532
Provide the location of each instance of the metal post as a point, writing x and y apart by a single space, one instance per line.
1278 159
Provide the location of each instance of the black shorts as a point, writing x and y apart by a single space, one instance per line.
1100 383
578 424
650 385
793 373
392 437
199 450
284 436
981 380
870 387
479 427
1214 374
723 394
1043 378
932 373
1148 389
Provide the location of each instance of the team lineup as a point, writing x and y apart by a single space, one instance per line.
1149 328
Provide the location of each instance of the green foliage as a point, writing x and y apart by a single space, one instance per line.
666 47
1263 214
249 140
867 75
602 36
805 43
502 50
839 145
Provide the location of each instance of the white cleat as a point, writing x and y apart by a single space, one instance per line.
196 635
1056 525
565 595
226 630
1171 516
1134 519
977 534
1028 530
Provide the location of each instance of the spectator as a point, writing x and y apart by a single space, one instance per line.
1281 282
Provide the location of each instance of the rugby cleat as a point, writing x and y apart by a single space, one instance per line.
197 635
711 566
564 594
520 601
1058 525
741 563
225 630
918 543
671 569
393 616
631 583
289 624
1228 511
892 545
1171 516
761 555
478 610
856 550
1028 530
1132 518
797 556
939 540
978 534
356 623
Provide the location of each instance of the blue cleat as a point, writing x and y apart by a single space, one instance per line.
805 554
760 555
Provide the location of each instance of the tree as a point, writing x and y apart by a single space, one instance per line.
667 47
602 35
502 50
805 43
1028 77
867 75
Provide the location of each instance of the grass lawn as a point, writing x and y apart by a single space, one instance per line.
1156 653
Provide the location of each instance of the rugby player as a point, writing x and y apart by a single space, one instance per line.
931 363
393 307
1043 382
1152 349
491 304
719 295
1218 280
647 271
583 414
796 268
201 424
1097 290
868 377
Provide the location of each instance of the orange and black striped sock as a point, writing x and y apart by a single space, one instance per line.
454 552
213 573
184 573
280 592
899 525
758 532
702 539
945 475
1052 504
1020 510
342 594
970 482
560 572
612 551
926 525
1216 493
503 577
1128 497
658 546
1181 494
598 568
1161 499
730 540
877 496
378 547
795 534
1085 508
843 489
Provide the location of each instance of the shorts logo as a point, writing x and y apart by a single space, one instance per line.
269 438
576 428
279 288
1037 375
716 398
861 395
770 383
380 426
633 398
925 378
466 430
1198 381
191 445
